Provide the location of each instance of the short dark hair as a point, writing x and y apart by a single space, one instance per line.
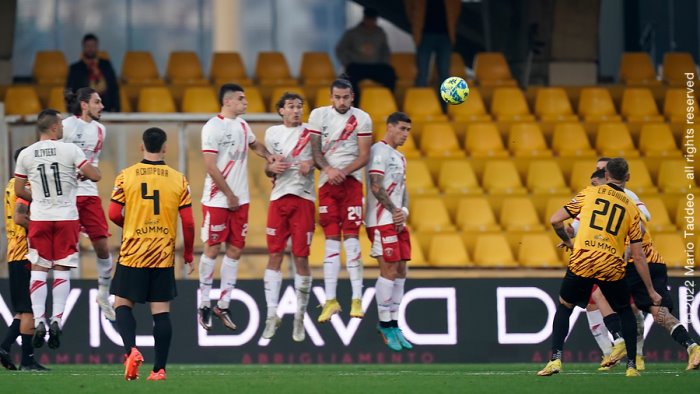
617 168
341 83
17 152
288 96
598 174
229 87
603 158
370 13
397 117
73 100
46 119
90 37
153 139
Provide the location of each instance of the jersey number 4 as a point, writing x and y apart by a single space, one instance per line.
45 181
616 213
155 197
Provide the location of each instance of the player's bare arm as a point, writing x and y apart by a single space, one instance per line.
335 176
640 263
21 216
557 221
377 187
306 167
21 189
218 178
364 145
90 172
262 151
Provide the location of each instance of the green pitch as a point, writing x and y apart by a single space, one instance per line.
365 379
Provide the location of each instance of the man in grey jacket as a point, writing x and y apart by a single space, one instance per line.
364 52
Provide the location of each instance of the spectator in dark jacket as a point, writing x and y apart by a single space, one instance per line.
91 71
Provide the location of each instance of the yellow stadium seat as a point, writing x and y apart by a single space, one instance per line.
676 65
508 104
57 99
472 110
140 69
316 69
417 256
200 99
492 250
491 69
271 69
553 205
581 172
228 67
447 250
570 140
430 214
156 99
640 180
408 149
404 64
673 177
501 177
527 140
685 215
672 249
50 68
545 177
255 101
638 105
124 102
257 223
676 107
457 68
418 179
660 220
636 68
614 139
457 177
184 69
595 105
378 102
422 105
439 140
21 100
519 214
537 251
476 214
552 105
483 140
656 140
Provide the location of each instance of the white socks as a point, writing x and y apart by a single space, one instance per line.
104 274
229 273
60 292
396 296
302 285
37 293
640 332
331 268
273 284
354 265
384 294
599 331
206 277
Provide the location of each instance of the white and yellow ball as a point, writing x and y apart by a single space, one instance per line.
454 90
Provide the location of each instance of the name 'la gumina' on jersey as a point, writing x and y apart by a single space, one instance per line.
607 217
152 194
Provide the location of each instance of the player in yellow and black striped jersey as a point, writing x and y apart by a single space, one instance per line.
607 216
146 201
16 222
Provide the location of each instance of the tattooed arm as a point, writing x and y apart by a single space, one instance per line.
557 221
377 188
335 176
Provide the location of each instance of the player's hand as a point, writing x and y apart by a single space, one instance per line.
655 297
335 176
232 201
306 166
278 167
274 158
189 266
566 245
399 217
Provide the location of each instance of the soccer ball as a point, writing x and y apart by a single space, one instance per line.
454 90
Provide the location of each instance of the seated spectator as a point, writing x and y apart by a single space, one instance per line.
91 71
364 52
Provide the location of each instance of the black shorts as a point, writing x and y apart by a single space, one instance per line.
20 274
577 290
144 284
659 279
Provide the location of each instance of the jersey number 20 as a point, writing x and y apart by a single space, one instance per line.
617 212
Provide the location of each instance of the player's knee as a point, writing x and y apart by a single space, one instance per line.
233 252
212 251
565 304
274 262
